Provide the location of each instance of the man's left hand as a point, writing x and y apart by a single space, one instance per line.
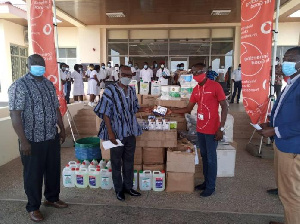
62 136
219 135
267 132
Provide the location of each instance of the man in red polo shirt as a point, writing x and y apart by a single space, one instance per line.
208 95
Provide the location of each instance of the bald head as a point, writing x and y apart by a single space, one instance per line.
35 59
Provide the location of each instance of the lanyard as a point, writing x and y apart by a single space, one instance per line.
201 99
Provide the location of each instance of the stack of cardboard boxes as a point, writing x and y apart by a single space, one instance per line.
181 167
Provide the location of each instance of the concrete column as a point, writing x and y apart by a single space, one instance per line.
237 47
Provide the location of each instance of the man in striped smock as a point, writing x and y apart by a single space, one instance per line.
117 108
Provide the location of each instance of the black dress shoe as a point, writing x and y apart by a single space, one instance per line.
120 196
133 192
273 191
200 187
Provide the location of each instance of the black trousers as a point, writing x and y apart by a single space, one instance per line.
277 90
68 91
237 89
42 164
123 157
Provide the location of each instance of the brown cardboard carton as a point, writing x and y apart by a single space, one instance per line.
105 153
199 171
155 139
152 156
180 182
149 100
173 103
181 121
180 161
138 156
98 122
138 167
140 99
157 167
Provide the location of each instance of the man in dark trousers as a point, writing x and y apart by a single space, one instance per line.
208 95
117 108
284 128
34 111
237 80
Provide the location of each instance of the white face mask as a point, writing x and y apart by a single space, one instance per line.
117 69
162 66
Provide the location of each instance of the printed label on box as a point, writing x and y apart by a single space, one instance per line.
92 181
159 182
79 179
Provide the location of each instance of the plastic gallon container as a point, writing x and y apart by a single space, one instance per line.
134 84
72 163
92 166
94 178
155 88
68 177
159 181
82 179
83 165
165 90
144 88
102 164
95 162
106 179
145 180
135 180
174 92
108 164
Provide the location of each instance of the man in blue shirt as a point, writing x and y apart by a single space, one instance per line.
117 108
284 127
210 74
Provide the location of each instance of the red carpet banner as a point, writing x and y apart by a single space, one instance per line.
42 34
256 43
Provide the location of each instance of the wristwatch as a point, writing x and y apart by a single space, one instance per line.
222 129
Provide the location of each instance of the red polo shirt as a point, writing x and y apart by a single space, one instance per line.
208 97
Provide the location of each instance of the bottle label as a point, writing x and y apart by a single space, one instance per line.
79 179
146 183
67 179
92 181
105 182
159 182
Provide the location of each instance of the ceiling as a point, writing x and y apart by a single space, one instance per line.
93 12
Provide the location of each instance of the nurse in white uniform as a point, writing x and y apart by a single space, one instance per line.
102 76
78 88
93 85
163 75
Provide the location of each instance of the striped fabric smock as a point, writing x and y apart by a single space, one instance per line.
38 103
121 111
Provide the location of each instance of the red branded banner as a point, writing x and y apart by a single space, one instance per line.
42 34
256 43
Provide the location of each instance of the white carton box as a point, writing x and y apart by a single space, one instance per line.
226 160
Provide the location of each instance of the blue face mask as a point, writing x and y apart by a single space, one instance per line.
37 70
103 66
289 68
125 81
181 68
145 66
130 65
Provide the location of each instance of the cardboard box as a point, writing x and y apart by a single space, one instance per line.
157 167
199 171
138 156
98 122
138 167
105 153
140 99
180 161
180 182
152 156
173 103
157 139
149 100
226 155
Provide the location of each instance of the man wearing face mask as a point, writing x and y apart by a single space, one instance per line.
68 84
102 77
117 108
208 95
278 78
132 68
237 80
163 75
211 74
34 111
284 128
109 71
63 75
155 68
146 75
115 73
